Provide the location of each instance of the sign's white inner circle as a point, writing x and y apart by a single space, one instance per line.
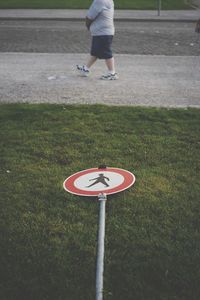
99 181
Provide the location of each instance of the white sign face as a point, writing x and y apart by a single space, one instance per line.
99 180
94 181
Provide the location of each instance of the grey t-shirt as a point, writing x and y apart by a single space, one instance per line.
102 12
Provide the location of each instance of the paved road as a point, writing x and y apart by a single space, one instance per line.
132 37
120 14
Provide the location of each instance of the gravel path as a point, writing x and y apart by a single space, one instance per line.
167 81
158 64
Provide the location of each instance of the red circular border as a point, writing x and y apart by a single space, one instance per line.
129 179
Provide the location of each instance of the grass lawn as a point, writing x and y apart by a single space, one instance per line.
122 4
48 237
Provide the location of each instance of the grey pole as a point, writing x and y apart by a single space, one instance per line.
100 251
159 7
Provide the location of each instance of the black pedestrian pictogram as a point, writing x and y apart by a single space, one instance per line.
101 179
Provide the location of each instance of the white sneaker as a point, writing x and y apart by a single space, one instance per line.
109 76
83 71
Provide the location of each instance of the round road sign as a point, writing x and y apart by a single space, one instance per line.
92 182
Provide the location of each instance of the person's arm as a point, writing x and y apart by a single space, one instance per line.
88 22
93 12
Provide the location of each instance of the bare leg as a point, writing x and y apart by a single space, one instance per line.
110 63
91 61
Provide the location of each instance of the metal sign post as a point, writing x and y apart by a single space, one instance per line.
99 182
100 250
159 7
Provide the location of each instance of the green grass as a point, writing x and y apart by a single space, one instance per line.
48 237
121 4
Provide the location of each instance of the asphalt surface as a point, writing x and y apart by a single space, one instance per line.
157 59
148 38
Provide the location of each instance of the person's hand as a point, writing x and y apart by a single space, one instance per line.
88 22
197 28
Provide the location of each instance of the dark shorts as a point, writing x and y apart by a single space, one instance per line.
101 46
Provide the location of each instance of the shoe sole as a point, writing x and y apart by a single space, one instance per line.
108 79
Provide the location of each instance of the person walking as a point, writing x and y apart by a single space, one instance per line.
100 23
